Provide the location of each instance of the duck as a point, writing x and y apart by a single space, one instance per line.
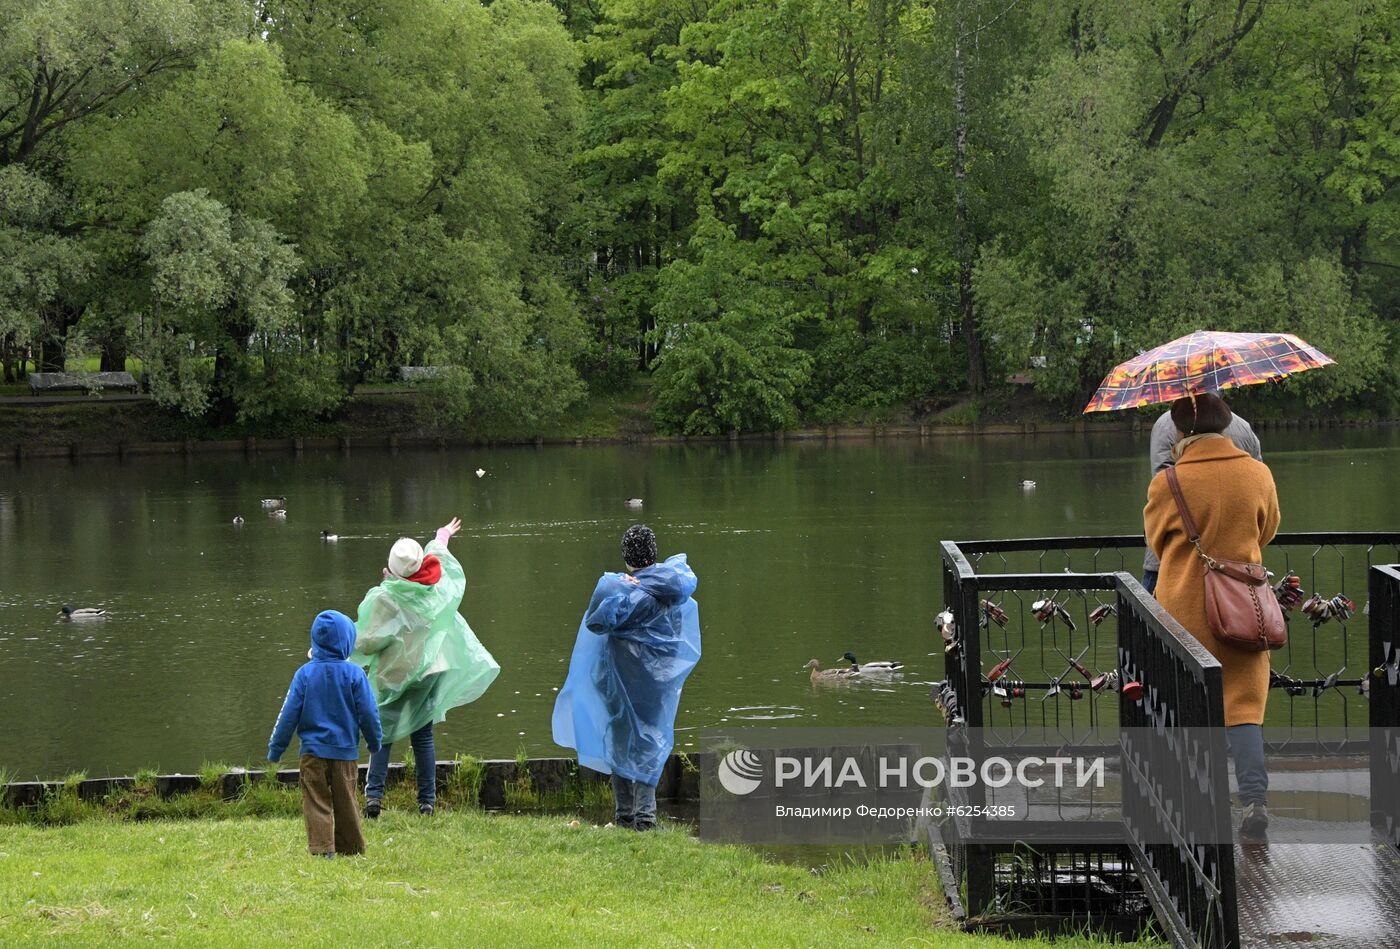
83 613
329 538
238 520
277 514
273 502
1028 484
633 502
889 666
481 472
830 675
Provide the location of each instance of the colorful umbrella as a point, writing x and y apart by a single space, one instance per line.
1203 362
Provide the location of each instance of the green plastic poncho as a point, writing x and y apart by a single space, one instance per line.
421 656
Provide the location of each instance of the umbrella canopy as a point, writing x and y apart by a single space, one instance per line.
1203 362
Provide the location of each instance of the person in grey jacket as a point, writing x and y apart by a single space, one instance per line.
1164 436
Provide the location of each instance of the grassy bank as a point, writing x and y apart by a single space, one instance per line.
455 879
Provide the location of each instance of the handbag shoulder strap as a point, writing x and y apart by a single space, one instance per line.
1192 534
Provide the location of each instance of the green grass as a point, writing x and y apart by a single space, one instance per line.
463 878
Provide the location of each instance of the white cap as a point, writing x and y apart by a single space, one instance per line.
405 557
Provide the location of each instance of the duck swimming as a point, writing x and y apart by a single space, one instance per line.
86 612
633 502
830 675
277 514
481 472
889 666
329 538
238 520
273 502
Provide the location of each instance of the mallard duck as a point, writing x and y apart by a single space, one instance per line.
86 612
278 514
830 675
273 502
872 666
329 538
238 520
633 502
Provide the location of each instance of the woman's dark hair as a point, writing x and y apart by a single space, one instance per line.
1207 414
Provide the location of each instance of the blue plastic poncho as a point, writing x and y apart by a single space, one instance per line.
421 656
637 643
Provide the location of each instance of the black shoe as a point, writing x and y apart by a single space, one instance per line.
1256 821
643 825
426 810
372 808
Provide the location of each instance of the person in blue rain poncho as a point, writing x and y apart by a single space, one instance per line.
639 639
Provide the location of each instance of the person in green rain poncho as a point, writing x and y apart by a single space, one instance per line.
421 656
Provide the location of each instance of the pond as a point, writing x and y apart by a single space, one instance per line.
803 550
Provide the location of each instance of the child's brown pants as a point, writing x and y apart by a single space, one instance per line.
330 806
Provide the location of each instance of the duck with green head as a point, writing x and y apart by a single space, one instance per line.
886 666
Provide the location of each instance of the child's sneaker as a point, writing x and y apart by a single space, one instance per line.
372 808
426 810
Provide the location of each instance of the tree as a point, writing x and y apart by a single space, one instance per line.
1179 185
280 160
40 270
219 284
65 61
452 257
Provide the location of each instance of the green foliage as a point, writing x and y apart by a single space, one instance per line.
463 784
39 268
790 213
1213 205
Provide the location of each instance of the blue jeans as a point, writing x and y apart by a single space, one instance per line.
636 803
424 767
1247 748
1149 582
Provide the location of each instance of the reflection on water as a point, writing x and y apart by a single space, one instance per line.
805 550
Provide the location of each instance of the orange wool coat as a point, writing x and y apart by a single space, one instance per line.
1235 506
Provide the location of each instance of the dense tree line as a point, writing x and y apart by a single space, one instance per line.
784 210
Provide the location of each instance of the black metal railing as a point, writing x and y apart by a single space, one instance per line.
1176 788
1385 702
1045 634
1316 703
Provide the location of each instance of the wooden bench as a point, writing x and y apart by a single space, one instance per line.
43 383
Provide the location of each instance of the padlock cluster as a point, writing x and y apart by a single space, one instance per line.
1289 592
1050 609
1320 610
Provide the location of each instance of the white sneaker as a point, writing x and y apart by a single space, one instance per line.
1255 822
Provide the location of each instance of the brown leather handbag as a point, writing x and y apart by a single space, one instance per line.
1241 608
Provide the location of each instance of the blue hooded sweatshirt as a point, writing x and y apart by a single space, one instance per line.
639 639
330 701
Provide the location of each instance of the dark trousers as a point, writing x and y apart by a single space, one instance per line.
1149 581
424 767
330 807
1252 776
636 803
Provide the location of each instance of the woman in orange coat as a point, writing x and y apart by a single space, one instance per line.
1233 501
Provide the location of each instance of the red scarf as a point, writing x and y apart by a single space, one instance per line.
428 574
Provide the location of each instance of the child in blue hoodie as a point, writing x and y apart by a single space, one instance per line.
639 639
328 705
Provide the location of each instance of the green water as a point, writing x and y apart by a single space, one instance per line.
803 550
